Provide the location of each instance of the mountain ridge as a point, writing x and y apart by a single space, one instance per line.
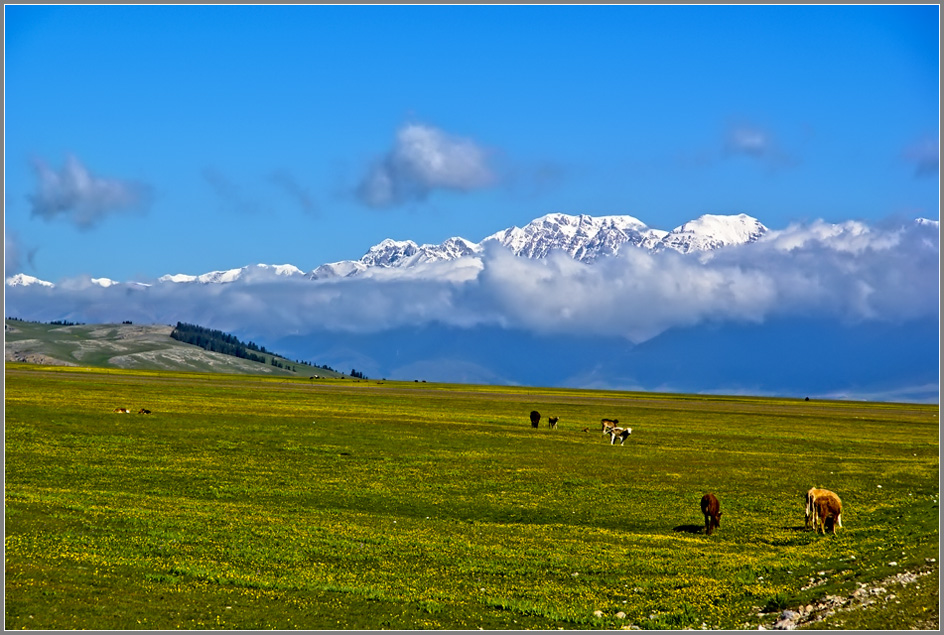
583 237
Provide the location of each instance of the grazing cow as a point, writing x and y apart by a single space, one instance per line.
810 508
712 511
144 411
828 513
606 424
122 411
535 418
552 422
619 433
813 510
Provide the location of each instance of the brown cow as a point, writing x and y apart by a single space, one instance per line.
535 418
122 411
827 512
712 511
607 424
811 510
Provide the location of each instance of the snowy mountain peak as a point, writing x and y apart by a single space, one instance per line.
232 275
23 280
712 231
389 252
583 237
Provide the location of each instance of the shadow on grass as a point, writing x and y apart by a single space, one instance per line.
690 529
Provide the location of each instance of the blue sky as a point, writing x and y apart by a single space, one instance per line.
147 140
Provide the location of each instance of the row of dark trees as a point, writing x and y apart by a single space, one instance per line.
218 342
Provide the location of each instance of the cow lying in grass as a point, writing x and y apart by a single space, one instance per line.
711 508
823 510
124 411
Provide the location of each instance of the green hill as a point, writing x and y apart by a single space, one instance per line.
133 346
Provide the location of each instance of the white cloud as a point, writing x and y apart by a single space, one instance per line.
79 196
424 159
758 144
848 273
748 140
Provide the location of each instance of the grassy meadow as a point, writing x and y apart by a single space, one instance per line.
274 502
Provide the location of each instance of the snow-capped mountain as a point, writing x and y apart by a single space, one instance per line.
232 275
711 232
23 280
583 237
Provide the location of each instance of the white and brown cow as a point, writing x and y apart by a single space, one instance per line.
619 433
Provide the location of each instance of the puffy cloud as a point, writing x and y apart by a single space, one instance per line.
748 140
76 194
848 273
424 159
759 144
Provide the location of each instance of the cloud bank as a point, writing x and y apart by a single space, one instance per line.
424 159
848 273
75 194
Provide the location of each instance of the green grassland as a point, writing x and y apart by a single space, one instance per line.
273 502
132 346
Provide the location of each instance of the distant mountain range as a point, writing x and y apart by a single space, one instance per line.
583 237
718 304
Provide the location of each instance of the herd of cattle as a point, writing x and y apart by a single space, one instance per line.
823 507
607 426
125 411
